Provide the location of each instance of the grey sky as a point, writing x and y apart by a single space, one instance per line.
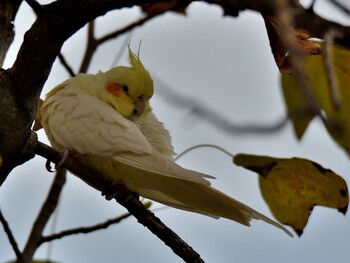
226 64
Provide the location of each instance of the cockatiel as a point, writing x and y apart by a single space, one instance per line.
108 118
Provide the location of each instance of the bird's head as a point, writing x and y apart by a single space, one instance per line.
127 89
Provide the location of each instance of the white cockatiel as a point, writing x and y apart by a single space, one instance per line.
107 117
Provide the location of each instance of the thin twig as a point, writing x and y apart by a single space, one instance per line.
198 109
131 26
91 47
84 230
10 236
340 6
76 164
46 211
52 230
66 65
94 43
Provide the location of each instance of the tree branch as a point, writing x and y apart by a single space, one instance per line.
319 27
66 65
198 109
340 6
91 47
303 18
8 11
84 230
37 8
46 211
94 43
140 22
76 164
10 236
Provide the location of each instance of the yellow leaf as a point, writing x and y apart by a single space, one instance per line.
292 187
338 117
295 101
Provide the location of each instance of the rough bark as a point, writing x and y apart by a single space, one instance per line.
8 12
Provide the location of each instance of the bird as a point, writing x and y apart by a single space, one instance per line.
107 117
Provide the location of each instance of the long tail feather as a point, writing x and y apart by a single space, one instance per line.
193 196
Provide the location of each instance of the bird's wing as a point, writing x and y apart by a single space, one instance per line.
88 125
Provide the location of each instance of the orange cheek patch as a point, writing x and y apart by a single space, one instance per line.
114 88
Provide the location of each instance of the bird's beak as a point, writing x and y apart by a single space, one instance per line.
140 105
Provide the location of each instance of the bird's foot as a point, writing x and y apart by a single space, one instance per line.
109 194
115 191
65 155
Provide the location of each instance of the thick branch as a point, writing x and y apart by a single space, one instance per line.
305 19
15 131
75 163
8 11
37 8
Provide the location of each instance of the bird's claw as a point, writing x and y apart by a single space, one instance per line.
48 166
111 192
115 191
65 155
109 196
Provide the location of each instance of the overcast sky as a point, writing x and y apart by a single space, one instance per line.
226 64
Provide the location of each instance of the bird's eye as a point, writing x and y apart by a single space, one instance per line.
126 88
